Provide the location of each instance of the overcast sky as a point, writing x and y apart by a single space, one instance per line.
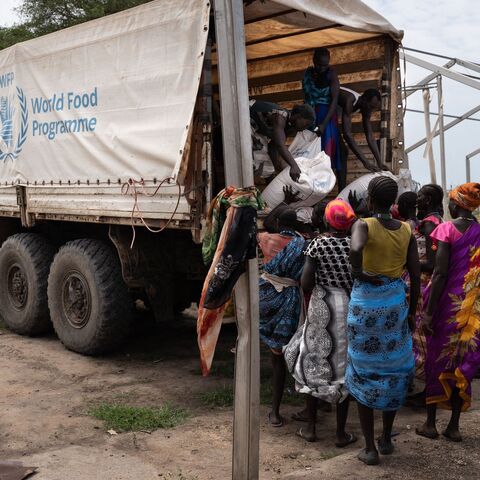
440 26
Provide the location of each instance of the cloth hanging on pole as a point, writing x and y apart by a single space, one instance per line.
232 240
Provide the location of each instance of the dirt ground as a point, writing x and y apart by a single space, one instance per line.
47 392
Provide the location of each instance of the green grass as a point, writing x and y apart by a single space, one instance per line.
124 418
223 396
218 397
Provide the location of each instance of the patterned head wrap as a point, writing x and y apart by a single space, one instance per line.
339 215
467 196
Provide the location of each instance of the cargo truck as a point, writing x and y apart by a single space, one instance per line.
111 150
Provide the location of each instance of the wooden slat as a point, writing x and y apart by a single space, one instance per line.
346 79
324 38
368 50
297 95
289 33
375 64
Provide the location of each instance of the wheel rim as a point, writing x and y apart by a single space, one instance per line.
17 286
76 299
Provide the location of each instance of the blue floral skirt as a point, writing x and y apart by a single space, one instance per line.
380 355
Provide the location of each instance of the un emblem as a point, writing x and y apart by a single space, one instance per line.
13 133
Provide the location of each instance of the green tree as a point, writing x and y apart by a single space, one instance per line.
40 17
11 35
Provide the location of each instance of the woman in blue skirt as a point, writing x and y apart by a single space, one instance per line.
380 320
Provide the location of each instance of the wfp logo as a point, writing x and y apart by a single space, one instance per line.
13 133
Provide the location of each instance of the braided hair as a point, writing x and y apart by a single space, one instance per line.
435 192
407 202
383 191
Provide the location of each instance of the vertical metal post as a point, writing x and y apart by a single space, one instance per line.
233 81
428 134
441 131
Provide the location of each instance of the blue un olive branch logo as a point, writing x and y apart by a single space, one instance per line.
8 148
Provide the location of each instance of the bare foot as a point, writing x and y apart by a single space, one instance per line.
276 420
306 434
369 457
427 432
385 447
452 434
345 439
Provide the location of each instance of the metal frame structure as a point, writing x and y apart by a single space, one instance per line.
440 127
468 159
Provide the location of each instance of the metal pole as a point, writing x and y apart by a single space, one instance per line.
441 130
468 159
446 127
429 78
237 149
428 132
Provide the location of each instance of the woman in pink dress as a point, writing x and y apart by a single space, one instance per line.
452 316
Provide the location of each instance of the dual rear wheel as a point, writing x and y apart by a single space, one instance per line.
80 288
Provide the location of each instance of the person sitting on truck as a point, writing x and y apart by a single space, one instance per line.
272 124
350 102
321 90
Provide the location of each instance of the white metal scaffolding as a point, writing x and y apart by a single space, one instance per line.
435 81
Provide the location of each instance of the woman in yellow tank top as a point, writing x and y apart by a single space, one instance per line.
380 322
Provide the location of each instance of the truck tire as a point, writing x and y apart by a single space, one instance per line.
89 303
25 260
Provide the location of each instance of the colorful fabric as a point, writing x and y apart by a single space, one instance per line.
271 243
229 197
467 196
236 244
280 308
386 250
447 233
317 354
380 357
419 340
313 94
453 352
340 215
320 99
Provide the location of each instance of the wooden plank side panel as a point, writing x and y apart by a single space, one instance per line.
360 65
344 59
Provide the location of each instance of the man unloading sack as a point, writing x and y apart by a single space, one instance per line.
351 102
270 126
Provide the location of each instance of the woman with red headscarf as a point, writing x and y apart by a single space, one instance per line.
452 316
317 354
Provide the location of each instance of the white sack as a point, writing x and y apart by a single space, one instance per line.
360 186
316 179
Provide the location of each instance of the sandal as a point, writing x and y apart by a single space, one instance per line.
275 424
350 438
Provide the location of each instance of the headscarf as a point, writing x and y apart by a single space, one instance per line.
467 196
340 215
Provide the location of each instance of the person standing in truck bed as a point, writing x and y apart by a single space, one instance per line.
350 102
271 124
321 89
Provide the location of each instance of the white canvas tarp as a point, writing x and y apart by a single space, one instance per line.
110 99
